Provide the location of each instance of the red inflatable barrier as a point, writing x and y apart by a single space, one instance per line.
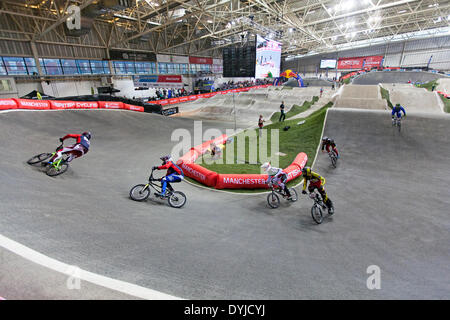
86 105
110 105
241 181
61 105
189 157
133 108
6 104
293 171
196 172
32 104
301 159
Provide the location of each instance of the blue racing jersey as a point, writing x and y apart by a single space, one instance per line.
398 111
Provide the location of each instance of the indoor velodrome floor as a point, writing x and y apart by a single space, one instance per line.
390 192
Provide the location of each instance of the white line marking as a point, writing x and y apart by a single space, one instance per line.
113 284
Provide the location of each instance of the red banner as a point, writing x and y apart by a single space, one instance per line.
174 78
200 60
61 105
110 105
86 105
32 104
360 62
6 104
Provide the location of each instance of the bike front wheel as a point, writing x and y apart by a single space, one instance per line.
140 192
317 215
39 158
177 199
273 200
294 195
53 171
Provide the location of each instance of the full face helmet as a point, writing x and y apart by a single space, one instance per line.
306 171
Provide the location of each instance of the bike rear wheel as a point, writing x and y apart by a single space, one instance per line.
39 158
140 192
273 200
177 199
316 213
53 171
333 160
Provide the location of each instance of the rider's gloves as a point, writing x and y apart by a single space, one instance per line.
61 140
304 191
154 168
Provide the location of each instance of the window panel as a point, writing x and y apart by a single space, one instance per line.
162 68
97 67
15 65
84 66
52 66
129 66
69 66
106 67
119 67
2 67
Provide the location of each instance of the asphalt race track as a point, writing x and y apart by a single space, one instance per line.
390 192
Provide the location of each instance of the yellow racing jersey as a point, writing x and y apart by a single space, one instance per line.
313 177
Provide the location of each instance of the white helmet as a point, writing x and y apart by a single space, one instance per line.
266 166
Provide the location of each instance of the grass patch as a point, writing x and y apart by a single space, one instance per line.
287 88
299 138
446 102
428 85
296 109
347 81
385 95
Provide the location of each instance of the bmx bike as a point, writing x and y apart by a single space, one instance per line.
318 207
55 168
141 192
274 200
333 158
397 122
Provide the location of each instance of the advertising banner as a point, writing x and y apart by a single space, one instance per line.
200 60
6 104
32 104
360 62
169 79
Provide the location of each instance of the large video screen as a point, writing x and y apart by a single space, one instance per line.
268 57
239 61
328 64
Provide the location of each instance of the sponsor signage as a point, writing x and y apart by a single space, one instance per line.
200 60
131 55
360 62
170 111
173 79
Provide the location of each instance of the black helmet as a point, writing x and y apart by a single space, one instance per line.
166 158
306 171
87 134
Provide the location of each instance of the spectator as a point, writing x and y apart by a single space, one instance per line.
282 115
261 124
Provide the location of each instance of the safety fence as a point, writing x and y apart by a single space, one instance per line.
204 95
31 104
231 181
